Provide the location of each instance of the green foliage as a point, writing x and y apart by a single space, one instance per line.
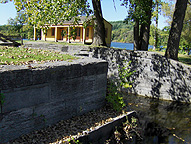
55 12
20 56
64 33
185 59
137 10
9 30
73 33
162 36
114 96
114 89
124 74
122 32
168 10
131 128
185 41
74 141
126 133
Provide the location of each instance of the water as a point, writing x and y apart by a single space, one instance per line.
128 46
162 121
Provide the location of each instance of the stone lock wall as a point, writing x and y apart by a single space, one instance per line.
35 98
155 75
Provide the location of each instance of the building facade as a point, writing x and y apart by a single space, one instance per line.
80 33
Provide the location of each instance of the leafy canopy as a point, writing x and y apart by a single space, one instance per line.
137 10
41 12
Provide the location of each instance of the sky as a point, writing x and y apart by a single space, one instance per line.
109 12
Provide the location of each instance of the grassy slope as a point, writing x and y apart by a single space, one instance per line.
20 56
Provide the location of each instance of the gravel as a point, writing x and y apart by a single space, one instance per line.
66 129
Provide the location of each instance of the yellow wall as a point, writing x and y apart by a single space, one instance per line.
108 26
50 37
91 33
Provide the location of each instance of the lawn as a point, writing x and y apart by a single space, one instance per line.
23 56
186 59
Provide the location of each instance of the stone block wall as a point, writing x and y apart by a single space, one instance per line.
155 75
48 93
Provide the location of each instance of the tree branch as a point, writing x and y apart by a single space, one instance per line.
114 5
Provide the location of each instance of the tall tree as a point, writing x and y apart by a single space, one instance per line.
139 12
17 24
186 31
167 9
40 12
99 31
156 20
145 26
176 29
155 15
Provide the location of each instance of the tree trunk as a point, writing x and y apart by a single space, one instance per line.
99 30
176 29
145 29
145 37
156 29
136 35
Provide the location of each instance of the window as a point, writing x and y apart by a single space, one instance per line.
52 31
87 32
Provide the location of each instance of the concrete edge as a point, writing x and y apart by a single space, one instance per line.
101 133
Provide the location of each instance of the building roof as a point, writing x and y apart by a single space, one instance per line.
81 20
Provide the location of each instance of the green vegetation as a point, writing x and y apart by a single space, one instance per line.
114 88
114 96
126 133
73 141
20 56
9 30
122 32
186 59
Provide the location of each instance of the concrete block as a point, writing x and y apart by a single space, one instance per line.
19 98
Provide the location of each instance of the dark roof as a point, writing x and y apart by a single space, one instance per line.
82 19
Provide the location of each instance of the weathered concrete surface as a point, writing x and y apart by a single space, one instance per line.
35 98
71 49
102 133
155 75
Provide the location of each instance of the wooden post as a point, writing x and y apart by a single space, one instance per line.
41 34
35 33
69 34
21 40
84 35
56 34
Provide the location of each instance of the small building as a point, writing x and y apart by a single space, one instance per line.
82 34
